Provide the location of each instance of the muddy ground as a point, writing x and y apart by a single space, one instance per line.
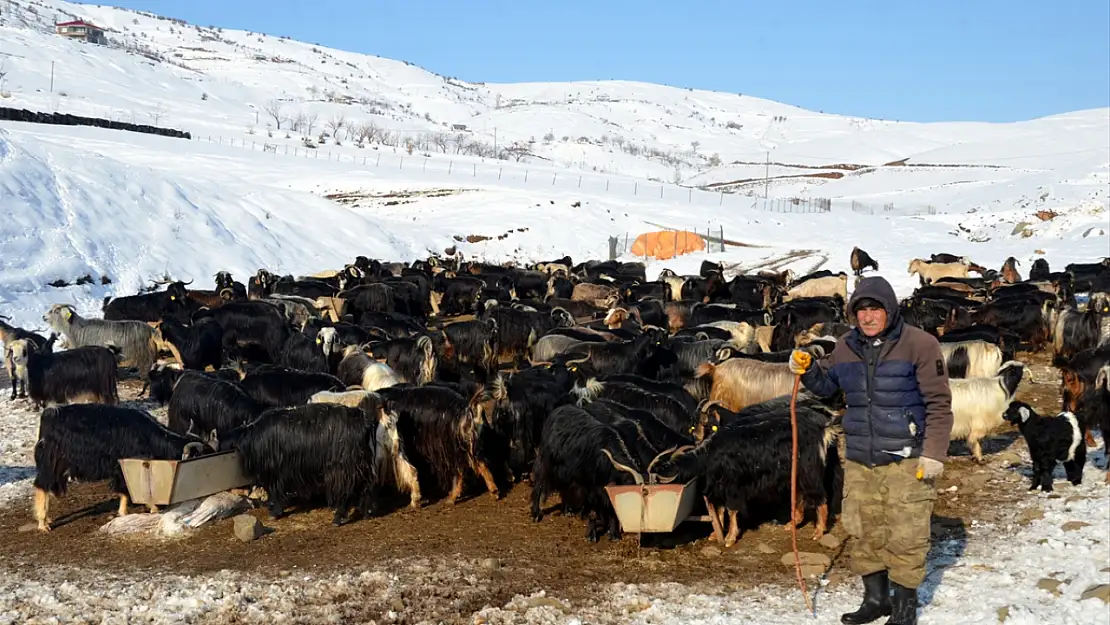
495 541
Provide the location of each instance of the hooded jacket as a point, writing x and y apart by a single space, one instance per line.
895 384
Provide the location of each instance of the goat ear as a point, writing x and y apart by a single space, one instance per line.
1024 412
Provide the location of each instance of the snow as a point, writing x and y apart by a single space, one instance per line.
137 207
220 202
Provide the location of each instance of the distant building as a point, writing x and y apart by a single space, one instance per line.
81 29
458 127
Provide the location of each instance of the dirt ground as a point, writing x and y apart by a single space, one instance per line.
496 538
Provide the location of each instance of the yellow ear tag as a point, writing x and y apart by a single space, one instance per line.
173 297
714 428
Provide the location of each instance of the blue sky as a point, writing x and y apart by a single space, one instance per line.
931 60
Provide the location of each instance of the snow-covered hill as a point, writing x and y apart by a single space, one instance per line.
219 82
245 194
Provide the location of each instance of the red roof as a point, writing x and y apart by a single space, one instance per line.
79 23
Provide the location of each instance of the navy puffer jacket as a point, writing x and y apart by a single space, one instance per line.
895 385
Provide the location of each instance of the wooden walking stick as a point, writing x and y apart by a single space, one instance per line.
794 492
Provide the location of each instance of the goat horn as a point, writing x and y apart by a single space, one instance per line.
681 450
189 282
660 455
639 479
578 361
197 446
665 480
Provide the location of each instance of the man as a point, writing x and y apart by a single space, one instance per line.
897 426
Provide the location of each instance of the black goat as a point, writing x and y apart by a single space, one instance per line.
77 375
200 404
313 451
279 387
195 347
86 442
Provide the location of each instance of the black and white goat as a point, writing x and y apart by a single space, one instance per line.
1050 440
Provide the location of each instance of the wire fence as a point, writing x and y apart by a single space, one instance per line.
489 171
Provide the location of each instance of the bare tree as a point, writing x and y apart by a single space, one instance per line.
276 110
336 124
366 132
296 123
441 141
517 151
3 74
310 123
313 92
715 160
459 139
695 145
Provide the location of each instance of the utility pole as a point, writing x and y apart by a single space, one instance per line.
51 76
767 175
495 141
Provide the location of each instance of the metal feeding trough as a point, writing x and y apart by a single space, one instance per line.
649 508
166 482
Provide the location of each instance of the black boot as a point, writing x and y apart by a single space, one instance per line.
876 600
904 606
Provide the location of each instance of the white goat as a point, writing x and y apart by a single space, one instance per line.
135 339
359 369
743 333
820 287
979 403
929 272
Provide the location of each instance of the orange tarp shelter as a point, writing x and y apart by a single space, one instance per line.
666 244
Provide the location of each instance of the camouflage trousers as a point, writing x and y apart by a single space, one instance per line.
887 512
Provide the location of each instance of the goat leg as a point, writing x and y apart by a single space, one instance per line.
718 534
822 521
733 530
456 489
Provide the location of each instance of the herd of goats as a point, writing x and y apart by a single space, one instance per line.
358 387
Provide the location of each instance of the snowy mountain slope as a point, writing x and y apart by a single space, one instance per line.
618 127
78 213
137 207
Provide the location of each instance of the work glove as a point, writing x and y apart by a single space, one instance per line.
928 469
800 362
